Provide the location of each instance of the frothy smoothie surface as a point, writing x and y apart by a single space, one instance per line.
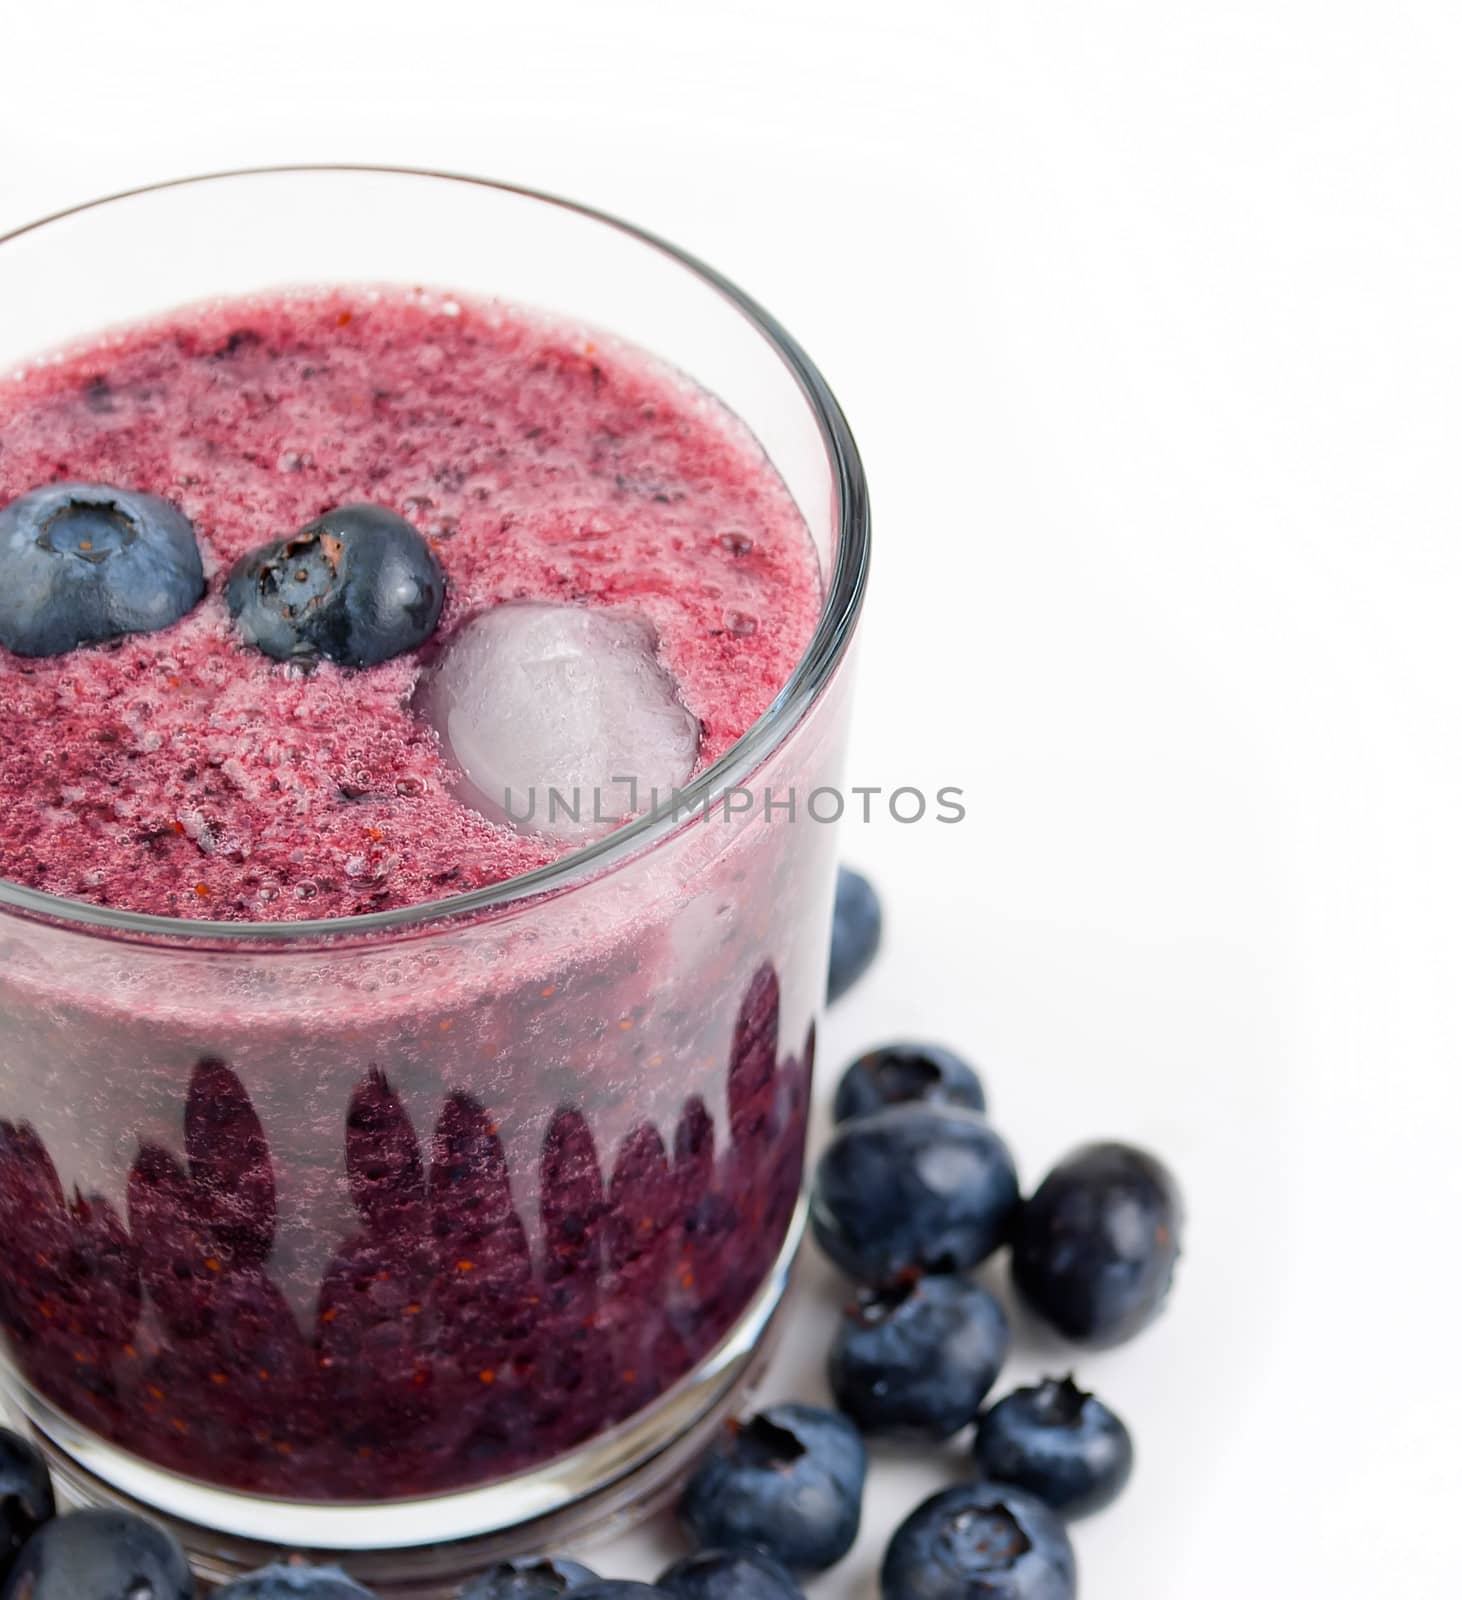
186 774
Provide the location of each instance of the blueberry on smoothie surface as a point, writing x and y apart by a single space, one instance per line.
895 1074
915 1360
1059 1442
1097 1243
26 1499
532 1578
356 587
981 1541
101 1555
931 1188
789 1482
294 1580
81 563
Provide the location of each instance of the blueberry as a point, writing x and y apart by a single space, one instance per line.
981 1541
83 562
915 1360
1060 1443
288 1580
895 1074
26 1500
729 1575
789 1483
100 1555
357 586
542 1578
1097 1243
619 1589
914 1186
857 929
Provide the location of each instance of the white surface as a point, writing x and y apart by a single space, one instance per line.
1147 318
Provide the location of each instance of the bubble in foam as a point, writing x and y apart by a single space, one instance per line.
548 710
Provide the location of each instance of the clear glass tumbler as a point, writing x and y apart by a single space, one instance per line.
417 1237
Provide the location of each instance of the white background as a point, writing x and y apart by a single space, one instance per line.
1147 317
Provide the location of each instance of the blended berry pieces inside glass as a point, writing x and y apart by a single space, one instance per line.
402 1215
453 1334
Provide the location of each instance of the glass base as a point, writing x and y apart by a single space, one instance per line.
423 1549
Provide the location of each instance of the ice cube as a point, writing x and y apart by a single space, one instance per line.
547 712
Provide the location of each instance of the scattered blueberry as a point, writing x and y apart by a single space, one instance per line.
357 586
915 1359
913 1186
730 1575
895 1074
789 1482
981 1541
857 929
100 1555
1060 1443
540 1579
294 1580
83 562
620 1589
26 1500
1096 1244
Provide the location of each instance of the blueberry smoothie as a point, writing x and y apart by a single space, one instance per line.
184 772
334 603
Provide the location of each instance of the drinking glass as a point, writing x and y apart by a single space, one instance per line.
414 1238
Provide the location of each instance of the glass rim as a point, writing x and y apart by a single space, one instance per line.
842 603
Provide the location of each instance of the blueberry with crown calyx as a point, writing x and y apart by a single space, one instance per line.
356 586
540 1578
1059 1443
789 1483
85 562
981 1541
915 1359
